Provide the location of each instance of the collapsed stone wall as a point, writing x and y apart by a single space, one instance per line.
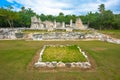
16 34
74 36
58 36
7 34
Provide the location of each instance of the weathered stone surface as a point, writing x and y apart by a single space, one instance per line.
68 65
86 65
6 33
54 63
36 23
78 64
60 64
79 24
73 64
40 64
50 65
19 35
69 29
57 36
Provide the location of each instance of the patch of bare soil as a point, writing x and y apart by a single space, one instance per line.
99 49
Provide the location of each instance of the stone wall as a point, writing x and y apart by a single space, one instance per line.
7 33
58 36
74 36
16 33
11 33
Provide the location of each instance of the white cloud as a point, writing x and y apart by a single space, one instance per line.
55 6
45 6
93 6
111 3
11 1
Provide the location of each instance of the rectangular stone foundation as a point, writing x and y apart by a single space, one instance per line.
59 63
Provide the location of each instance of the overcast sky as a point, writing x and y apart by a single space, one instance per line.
54 7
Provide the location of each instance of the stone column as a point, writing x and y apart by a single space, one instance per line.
55 24
63 24
71 22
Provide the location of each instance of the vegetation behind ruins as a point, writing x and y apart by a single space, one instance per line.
104 19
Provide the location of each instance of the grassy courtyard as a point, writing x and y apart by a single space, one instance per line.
64 54
16 55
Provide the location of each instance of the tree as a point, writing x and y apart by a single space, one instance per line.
101 18
42 17
60 17
108 18
23 9
93 20
116 22
25 15
61 14
2 18
101 8
9 15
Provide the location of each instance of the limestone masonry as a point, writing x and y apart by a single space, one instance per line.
36 23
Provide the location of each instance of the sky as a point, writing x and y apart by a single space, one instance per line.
54 7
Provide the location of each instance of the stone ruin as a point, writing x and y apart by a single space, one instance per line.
16 34
36 23
7 33
79 24
53 64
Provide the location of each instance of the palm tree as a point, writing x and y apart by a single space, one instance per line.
23 9
101 8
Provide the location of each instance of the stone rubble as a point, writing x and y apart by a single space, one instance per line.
102 37
61 64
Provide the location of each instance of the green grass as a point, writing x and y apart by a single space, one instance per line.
58 30
33 31
112 33
16 55
64 54
41 31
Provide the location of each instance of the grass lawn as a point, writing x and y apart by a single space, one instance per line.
41 31
113 33
45 31
16 55
64 54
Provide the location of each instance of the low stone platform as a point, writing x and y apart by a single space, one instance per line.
54 64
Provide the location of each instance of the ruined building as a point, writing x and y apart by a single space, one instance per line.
36 23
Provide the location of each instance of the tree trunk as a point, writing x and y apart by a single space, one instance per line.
9 23
12 24
100 28
88 24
